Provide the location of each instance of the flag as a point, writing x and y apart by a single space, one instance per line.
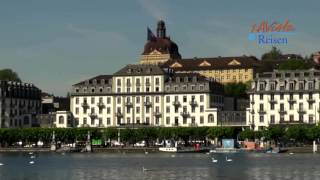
151 36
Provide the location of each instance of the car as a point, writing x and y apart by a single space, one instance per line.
116 143
140 144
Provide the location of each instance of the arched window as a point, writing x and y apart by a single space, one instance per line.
210 118
61 120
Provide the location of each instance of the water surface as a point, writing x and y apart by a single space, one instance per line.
246 166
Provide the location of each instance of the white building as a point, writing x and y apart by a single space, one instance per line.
19 104
284 97
146 95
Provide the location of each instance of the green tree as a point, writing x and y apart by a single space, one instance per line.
273 54
9 75
294 64
236 90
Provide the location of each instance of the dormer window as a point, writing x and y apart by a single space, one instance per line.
101 89
92 90
129 70
94 81
77 90
177 79
185 79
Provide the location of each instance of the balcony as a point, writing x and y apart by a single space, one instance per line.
100 105
157 114
252 111
176 103
147 104
273 101
193 103
282 111
119 114
93 116
292 100
185 114
128 104
301 111
311 100
261 111
85 105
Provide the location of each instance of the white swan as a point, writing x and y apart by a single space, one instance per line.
1 164
30 153
228 160
31 162
214 160
32 157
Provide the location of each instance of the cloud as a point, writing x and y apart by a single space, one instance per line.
154 8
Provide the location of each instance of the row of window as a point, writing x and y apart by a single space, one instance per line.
290 86
291 119
128 109
262 96
128 99
138 82
291 106
147 121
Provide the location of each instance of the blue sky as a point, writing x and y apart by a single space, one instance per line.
55 44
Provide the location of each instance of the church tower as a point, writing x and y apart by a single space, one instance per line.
159 49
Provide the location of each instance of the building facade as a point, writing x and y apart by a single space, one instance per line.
146 95
19 104
221 69
284 97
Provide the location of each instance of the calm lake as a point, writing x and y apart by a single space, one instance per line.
96 166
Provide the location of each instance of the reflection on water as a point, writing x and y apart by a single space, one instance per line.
160 167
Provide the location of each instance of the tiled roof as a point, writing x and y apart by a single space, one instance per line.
140 70
213 63
98 78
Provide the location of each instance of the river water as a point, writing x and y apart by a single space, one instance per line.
246 166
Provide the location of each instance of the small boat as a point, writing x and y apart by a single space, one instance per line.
214 160
183 150
31 162
228 160
1 164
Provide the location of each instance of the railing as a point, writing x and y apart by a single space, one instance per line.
292 100
128 104
311 100
119 114
85 105
291 122
282 111
193 103
100 104
232 123
273 101
301 111
185 114
93 116
148 104
157 114
176 103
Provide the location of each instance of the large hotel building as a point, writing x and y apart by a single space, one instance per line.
147 95
284 97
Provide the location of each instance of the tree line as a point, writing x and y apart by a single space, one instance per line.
277 134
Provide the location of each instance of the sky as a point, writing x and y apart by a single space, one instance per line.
55 44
